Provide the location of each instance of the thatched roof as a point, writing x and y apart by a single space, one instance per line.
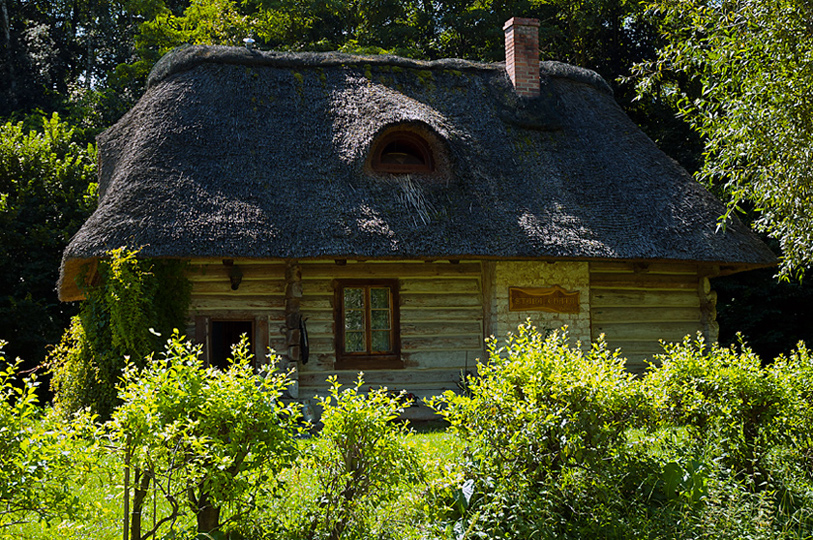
236 153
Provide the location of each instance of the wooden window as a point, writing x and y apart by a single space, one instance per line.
367 325
217 333
226 334
402 152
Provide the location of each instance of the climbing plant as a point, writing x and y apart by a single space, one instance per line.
129 305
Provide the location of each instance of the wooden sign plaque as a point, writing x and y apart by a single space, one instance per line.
552 299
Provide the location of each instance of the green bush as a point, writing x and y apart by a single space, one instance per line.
207 439
723 395
541 404
360 460
541 422
40 454
795 374
563 443
554 441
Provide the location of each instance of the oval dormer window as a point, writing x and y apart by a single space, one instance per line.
403 152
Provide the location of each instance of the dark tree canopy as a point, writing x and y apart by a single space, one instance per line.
47 190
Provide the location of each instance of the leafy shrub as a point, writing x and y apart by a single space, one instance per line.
540 404
722 395
559 443
541 422
205 438
360 460
795 374
39 454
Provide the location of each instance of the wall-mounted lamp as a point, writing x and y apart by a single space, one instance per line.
235 274
235 277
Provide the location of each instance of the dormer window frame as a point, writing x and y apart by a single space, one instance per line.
419 146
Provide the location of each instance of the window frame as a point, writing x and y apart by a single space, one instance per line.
258 340
367 360
408 137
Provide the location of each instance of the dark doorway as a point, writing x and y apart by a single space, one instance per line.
224 335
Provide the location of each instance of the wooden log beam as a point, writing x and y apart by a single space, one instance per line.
643 281
387 270
390 378
644 314
644 268
246 288
629 299
669 331
236 303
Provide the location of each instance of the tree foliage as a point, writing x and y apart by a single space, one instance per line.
608 35
58 56
47 189
741 73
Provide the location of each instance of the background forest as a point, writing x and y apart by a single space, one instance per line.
722 87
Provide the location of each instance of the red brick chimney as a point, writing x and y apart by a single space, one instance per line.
522 55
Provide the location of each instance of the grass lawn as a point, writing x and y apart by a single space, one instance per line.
100 492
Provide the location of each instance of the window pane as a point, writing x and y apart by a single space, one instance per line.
381 319
354 320
353 298
381 341
354 342
380 298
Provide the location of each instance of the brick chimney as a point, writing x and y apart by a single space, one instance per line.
522 55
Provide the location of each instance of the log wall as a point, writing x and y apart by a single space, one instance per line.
636 305
446 310
260 297
441 314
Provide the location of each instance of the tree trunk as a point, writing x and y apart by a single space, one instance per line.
208 519
140 493
6 57
6 25
127 456
207 514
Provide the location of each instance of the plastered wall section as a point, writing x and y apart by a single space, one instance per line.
571 276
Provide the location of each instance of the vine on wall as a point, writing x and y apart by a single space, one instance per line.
131 306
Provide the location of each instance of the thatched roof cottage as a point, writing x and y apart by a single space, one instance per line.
405 210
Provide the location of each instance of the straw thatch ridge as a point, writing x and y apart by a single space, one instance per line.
188 57
234 153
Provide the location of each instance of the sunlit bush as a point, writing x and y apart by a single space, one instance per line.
207 438
41 455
